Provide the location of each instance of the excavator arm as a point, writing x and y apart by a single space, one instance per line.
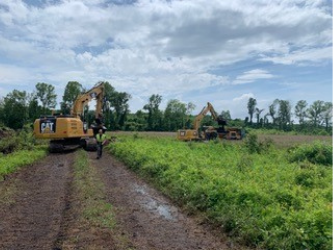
201 115
97 93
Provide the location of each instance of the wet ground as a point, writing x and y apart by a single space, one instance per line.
148 218
39 210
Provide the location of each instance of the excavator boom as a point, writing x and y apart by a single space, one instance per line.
97 93
202 114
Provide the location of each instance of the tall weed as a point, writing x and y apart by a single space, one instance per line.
259 197
317 153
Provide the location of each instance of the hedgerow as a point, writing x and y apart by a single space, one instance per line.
260 199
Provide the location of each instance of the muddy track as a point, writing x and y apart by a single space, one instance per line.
39 209
146 217
33 202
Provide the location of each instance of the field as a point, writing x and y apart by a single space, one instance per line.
273 193
280 140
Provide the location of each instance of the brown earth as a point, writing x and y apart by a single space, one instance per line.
33 202
40 209
146 218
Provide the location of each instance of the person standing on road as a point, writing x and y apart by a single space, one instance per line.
101 140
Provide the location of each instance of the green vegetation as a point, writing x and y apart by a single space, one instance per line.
269 198
91 192
11 140
11 162
317 153
18 149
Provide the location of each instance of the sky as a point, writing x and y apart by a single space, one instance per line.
198 51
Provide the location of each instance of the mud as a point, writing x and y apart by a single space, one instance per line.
40 209
147 218
32 204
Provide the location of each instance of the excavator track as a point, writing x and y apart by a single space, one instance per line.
59 146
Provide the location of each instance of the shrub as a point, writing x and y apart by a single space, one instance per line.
253 145
316 153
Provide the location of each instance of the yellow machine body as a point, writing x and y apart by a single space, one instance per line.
60 128
232 134
188 135
209 132
69 131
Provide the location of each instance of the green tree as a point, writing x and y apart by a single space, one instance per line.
284 114
326 115
34 109
225 114
174 115
300 111
265 121
14 109
115 108
46 95
119 101
109 116
189 108
272 110
72 91
137 121
314 111
189 118
258 113
154 119
251 106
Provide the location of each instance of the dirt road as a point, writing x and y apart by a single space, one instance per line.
33 202
39 210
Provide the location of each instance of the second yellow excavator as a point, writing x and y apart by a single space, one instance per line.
209 132
71 131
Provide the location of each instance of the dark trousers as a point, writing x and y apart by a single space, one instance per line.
99 150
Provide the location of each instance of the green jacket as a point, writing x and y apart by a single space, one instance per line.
100 138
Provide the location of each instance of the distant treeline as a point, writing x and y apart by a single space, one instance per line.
18 108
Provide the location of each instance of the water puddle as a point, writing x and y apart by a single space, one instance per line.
154 205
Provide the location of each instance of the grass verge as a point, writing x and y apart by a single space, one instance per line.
11 162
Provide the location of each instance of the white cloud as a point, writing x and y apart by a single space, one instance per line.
243 97
165 47
252 76
304 56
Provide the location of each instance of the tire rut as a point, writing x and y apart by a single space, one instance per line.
35 205
147 218
66 215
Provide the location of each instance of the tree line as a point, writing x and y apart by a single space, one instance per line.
18 108
312 118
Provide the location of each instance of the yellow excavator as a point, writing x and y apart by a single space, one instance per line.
71 131
209 132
